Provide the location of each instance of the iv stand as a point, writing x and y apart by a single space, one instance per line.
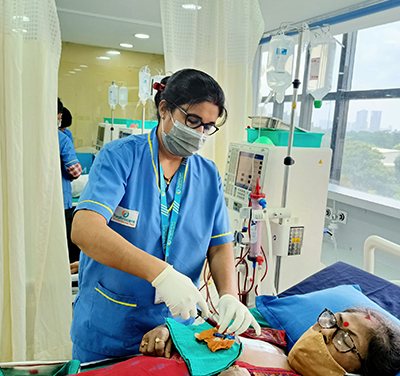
288 161
143 117
112 117
112 123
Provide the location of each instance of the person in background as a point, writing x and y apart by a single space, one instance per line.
70 170
66 122
152 212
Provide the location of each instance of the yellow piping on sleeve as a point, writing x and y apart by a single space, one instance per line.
115 301
74 161
98 203
218 236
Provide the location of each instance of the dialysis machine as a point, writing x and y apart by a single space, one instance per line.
299 246
105 134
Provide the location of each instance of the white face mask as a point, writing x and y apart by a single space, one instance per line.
181 140
59 124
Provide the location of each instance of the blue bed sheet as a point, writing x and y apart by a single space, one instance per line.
381 291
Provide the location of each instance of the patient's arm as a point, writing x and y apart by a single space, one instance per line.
258 353
255 352
235 371
157 342
263 354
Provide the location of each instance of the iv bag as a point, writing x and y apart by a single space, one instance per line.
322 58
280 65
144 84
113 95
123 96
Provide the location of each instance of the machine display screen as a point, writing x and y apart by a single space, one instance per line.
248 169
100 133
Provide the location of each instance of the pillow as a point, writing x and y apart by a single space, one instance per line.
297 313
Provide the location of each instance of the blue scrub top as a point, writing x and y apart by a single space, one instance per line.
67 158
113 309
69 134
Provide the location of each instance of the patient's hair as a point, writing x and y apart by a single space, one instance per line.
383 354
66 118
59 106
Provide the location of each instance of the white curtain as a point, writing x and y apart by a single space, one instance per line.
35 292
221 39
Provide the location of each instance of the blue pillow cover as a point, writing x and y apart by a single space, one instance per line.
295 314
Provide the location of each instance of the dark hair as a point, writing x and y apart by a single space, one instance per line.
60 107
383 354
66 118
191 86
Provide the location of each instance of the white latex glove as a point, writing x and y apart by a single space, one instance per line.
230 308
179 293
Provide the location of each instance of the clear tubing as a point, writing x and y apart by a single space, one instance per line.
255 232
270 260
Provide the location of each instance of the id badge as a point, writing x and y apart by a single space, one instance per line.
158 299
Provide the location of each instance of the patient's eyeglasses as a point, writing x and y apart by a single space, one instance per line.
194 121
340 339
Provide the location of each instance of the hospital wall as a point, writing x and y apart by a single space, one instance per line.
366 216
85 92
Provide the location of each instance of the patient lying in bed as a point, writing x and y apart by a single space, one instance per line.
361 341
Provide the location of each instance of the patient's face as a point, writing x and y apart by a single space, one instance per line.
356 325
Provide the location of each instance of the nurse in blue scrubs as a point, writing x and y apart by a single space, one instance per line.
152 212
66 122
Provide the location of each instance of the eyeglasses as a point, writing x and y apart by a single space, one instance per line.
194 121
340 339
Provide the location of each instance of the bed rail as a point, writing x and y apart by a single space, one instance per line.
376 242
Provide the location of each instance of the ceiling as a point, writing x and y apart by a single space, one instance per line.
106 23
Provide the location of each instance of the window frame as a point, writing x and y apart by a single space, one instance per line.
342 97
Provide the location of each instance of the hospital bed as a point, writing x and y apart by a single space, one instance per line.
379 290
383 292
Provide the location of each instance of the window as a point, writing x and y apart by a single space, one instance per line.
359 116
264 89
322 122
371 148
262 108
338 53
377 58
287 113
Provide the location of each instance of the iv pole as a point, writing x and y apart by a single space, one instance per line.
289 161
143 117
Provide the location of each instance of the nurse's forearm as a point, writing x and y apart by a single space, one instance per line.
98 241
222 268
